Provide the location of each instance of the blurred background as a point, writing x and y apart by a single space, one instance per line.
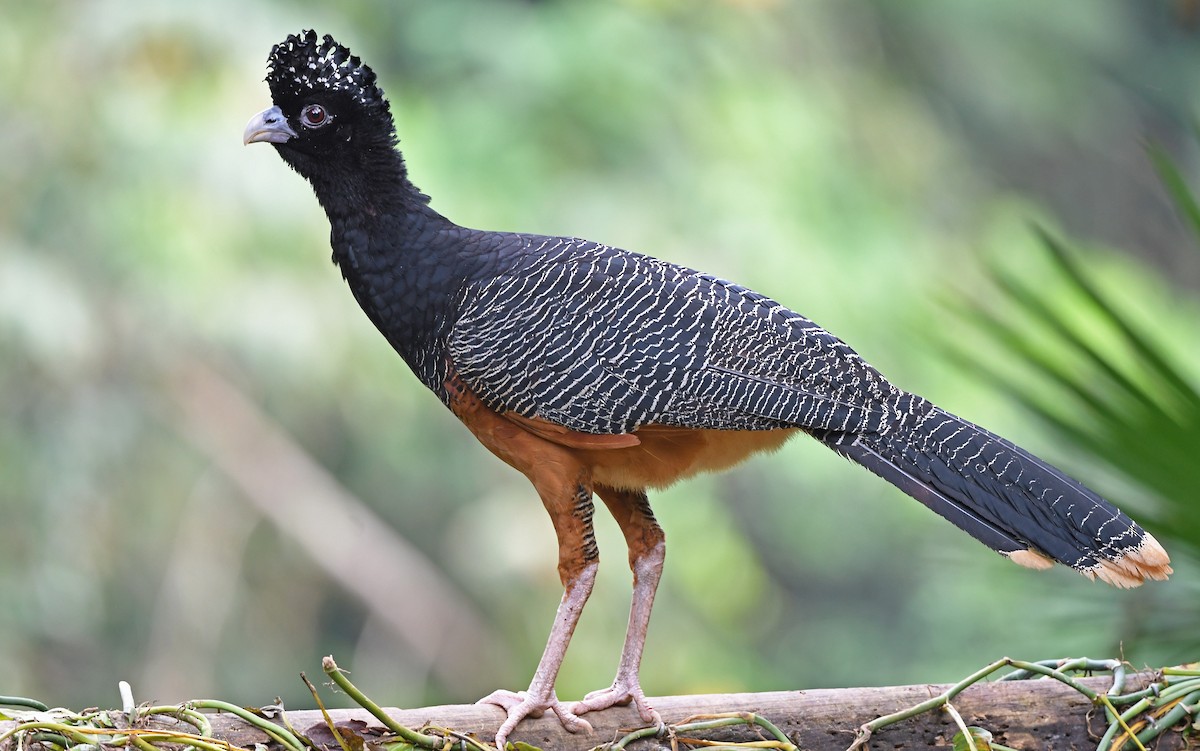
213 471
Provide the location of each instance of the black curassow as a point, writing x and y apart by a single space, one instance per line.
592 369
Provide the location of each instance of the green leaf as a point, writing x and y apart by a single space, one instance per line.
1070 351
981 737
1157 362
1176 186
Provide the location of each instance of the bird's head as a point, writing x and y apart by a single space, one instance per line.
329 116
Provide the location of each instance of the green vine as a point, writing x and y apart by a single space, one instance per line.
1133 719
1152 711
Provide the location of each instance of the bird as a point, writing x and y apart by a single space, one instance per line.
596 371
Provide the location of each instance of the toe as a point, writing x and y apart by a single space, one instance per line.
518 705
649 713
569 719
602 699
607 697
507 700
618 695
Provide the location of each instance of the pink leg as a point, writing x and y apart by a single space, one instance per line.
578 561
647 552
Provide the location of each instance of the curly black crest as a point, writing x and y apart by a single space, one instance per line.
301 65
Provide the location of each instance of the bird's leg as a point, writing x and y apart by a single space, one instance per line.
578 559
647 551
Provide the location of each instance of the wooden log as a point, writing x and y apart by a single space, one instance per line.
1034 714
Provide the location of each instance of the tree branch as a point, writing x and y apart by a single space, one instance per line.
1030 714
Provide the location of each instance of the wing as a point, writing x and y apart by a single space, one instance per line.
601 340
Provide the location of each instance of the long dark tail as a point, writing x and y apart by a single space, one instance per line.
1005 497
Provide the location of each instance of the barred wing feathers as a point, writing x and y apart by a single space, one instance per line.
606 341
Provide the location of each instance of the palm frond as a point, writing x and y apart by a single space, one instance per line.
1101 381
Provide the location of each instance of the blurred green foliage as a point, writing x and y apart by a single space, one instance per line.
1116 388
853 160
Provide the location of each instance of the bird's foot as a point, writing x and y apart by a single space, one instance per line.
620 693
521 704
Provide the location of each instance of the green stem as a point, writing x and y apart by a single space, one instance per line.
417 739
638 734
146 739
53 739
1193 672
709 722
466 740
1149 692
337 734
1159 725
1058 676
66 731
278 734
21 701
881 722
142 744
1049 668
183 713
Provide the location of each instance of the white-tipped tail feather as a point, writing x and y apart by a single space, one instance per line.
1008 499
1030 558
1147 561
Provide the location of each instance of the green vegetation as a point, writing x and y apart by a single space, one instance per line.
856 161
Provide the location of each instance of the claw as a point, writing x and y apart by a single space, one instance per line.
518 705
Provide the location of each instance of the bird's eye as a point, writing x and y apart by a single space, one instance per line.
314 116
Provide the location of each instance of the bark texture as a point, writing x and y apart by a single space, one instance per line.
1035 714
